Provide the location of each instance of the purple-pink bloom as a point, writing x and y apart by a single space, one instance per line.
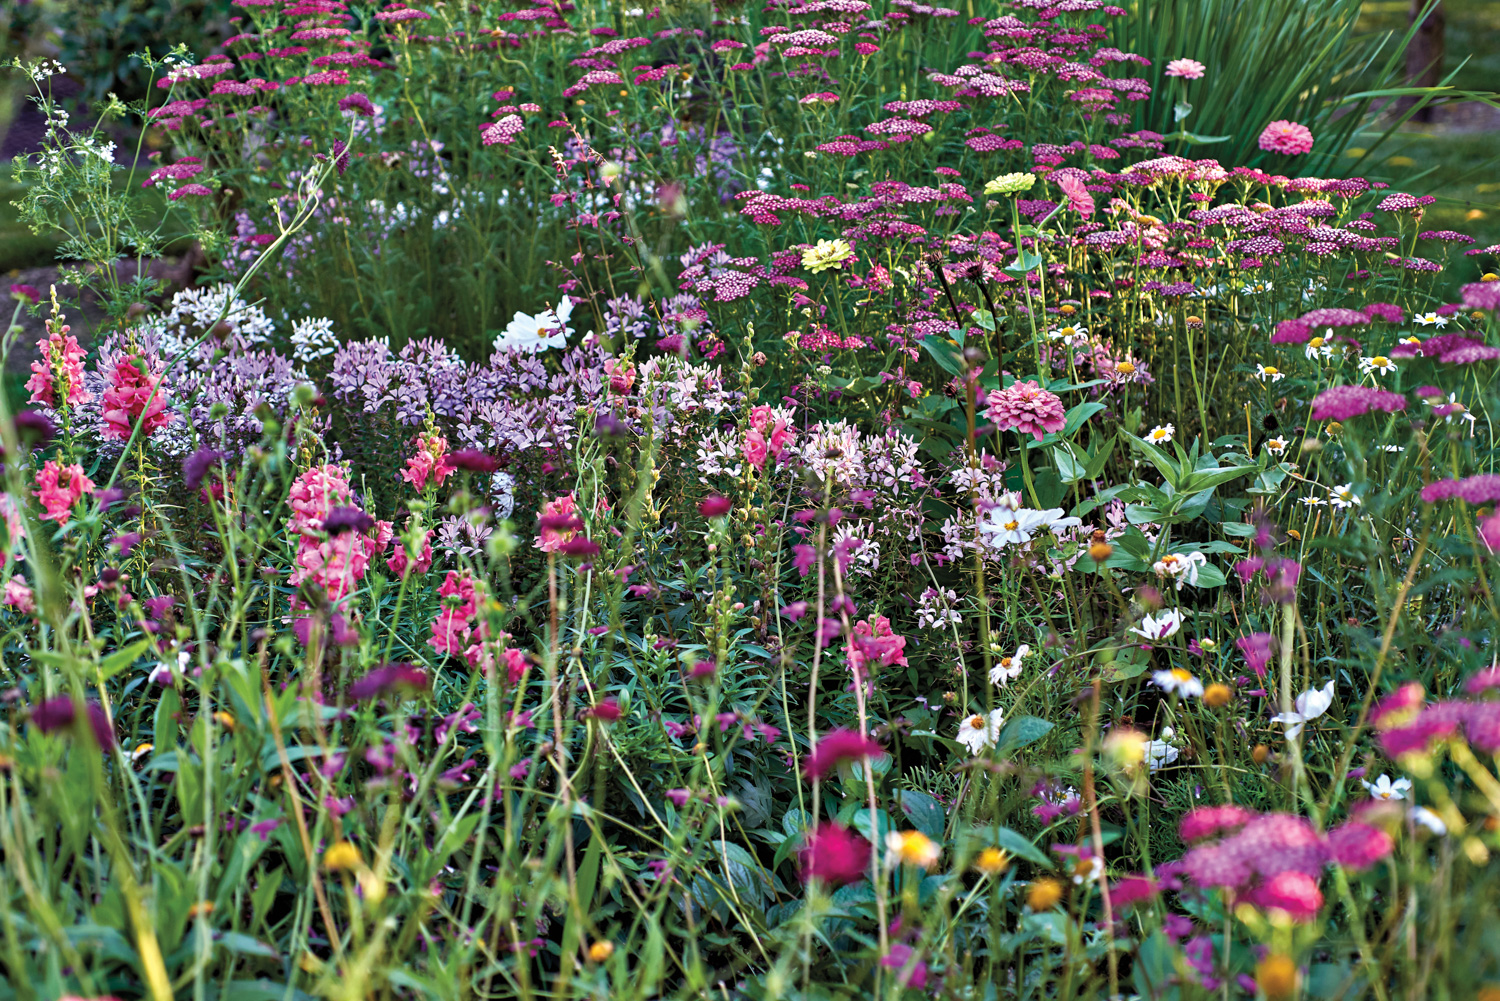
836 747
1287 137
834 855
1027 408
1340 403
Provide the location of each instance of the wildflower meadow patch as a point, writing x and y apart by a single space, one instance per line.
808 501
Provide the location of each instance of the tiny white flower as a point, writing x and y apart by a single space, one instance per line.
1392 448
1376 364
977 732
1009 668
1269 372
1429 820
1313 500
1343 496
1178 681
1161 434
1159 754
1384 788
1159 627
1309 706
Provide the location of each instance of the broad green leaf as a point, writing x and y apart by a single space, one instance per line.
925 813
946 354
1023 730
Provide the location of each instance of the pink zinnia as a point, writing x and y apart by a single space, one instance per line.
60 368
1286 137
1027 408
1073 183
59 488
835 855
133 395
836 747
1187 69
1295 893
431 460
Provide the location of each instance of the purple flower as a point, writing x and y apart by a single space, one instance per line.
714 506
1257 650
387 679
343 519
358 103
33 427
197 465
26 294
1479 295
1481 489
838 746
59 714
473 461
1340 403
794 611
125 542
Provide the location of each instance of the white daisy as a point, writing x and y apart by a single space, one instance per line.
1009 668
1008 525
1343 496
1377 364
1317 348
1276 446
1159 753
977 732
1309 706
1313 500
1181 567
1429 319
1178 681
1269 373
1161 434
1384 788
1159 627
1429 820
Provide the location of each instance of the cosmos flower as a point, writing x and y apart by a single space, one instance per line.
532 334
1159 627
1309 706
1385 789
977 732
1178 681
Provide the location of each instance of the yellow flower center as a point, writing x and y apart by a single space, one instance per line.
1178 674
1380 361
1011 526
1316 342
976 722
1125 367
1272 370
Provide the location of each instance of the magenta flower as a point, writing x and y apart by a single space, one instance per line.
1358 846
1186 69
391 677
1294 893
1027 408
1286 137
59 488
1257 650
714 507
1340 403
837 747
834 855
59 373
133 395
1206 821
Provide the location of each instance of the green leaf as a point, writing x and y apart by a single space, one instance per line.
925 813
245 945
1023 730
1019 846
122 658
1163 463
1025 263
946 354
1078 414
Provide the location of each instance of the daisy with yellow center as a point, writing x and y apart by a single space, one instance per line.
912 848
1269 373
1161 434
1317 348
1178 681
1377 364
1006 669
1276 446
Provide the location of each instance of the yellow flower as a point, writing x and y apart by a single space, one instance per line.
827 254
1126 747
1044 894
1010 184
225 720
913 848
992 862
1217 695
1276 976
341 856
601 950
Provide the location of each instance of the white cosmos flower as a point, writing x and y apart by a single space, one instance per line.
1008 525
547 329
1009 668
1309 706
1159 753
1159 627
977 732
1178 680
1181 567
1429 820
1384 788
1343 496
1161 434
1377 363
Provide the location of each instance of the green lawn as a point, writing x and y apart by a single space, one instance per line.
19 246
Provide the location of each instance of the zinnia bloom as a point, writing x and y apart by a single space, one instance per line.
1186 69
1027 408
1286 137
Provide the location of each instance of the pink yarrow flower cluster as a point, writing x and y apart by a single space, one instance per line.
59 487
1027 408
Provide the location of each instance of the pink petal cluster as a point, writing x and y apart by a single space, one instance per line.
430 461
400 564
59 488
1286 137
1186 69
60 368
769 435
335 562
551 539
18 595
1481 489
836 747
835 855
1027 408
458 630
1340 403
314 494
133 396
874 640
621 375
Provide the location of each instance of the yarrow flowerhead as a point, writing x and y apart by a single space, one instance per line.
1286 137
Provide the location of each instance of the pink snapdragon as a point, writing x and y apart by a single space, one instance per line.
58 376
874 640
430 460
133 396
59 487
559 523
621 375
770 433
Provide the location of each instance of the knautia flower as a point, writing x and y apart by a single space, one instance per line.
1178 681
1385 789
1026 408
836 747
1009 668
1161 434
1010 184
826 254
1308 706
1286 137
1159 627
834 855
1181 567
976 731
1185 69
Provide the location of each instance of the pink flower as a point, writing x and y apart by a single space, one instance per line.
18 595
558 523
400 564
714 506
835 855
1187 69
836 747
1489 532
1027 408
769 435
431 460
450 629
1132 890
873 639
1286 137
59 488
1073 184
1340 403
1206 821
621 375
315 493
1358 846
61 366
133 395
1295 893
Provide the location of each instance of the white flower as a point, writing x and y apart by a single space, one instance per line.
1179 681
976 732
1009 668
1256 288
1159 753
1343 496
313 338
547 329
1069 334
1392 448
1276 446
1182 567
1161 434
1318 347
1376 363
1309 706
1271 372
1384 788
1313 500
1429 820
1159 627
1428 319
1008 525
1453 410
